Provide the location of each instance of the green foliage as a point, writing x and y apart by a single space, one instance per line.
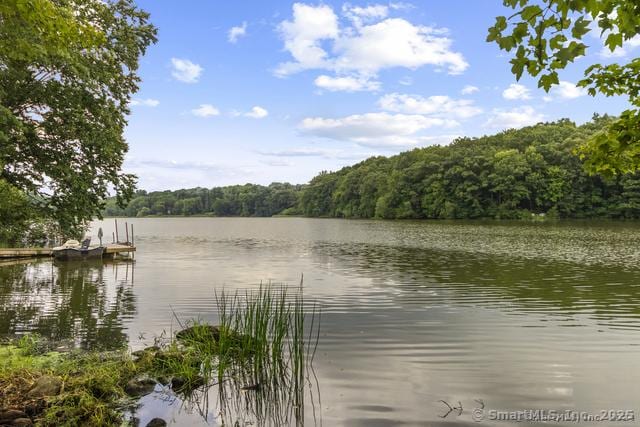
236 200
264 341
67 72
547 36
510 175
15 212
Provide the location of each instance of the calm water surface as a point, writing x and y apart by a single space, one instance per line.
518 316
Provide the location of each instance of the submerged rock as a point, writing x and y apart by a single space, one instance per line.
180 383
252 387
46 385
199 331
8 416
157 422
139 387
177 383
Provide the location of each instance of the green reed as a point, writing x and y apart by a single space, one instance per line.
267 342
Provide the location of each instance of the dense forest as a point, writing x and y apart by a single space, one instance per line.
235 200
512 174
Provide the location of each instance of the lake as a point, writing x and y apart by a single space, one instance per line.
416 316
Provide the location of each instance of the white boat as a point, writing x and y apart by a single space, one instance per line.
74 250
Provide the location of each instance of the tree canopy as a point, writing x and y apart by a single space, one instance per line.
512 175
67 71
234 200
545 36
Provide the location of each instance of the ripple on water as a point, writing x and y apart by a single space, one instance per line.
519 315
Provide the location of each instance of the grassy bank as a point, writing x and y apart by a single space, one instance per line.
261 346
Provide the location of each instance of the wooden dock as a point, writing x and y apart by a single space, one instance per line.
9 253
24 252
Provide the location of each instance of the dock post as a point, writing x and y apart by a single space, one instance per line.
117 237
126 231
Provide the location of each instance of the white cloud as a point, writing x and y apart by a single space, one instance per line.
568 90
360 15
277 163
303 34
149 102
205 110
516 91
514 118
236 32
185 70
469 89
401 6
257 112
396 42
347 84
316 40
623 51
374 129
633 42
317 152
406 81
619 52
439 105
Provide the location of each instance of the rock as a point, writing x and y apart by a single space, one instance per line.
180 384
35 407
46 385
157 422
140 387
177 383
149 350
138 353
23 422
199 331
7 416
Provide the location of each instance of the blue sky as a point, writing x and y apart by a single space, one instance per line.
263 91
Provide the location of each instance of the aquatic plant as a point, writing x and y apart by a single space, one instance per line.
256 359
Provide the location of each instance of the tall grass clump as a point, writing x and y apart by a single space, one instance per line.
260 354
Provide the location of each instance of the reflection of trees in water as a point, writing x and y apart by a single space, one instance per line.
605 291
280 400
82 301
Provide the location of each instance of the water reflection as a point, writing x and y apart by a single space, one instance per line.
521 316
415 278
230 404
85 302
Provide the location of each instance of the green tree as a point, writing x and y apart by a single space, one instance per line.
67 72
545 36
15 212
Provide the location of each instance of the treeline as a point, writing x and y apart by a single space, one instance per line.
235 200
513 174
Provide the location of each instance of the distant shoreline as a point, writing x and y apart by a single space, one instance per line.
537 219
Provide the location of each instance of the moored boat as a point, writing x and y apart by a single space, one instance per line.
73 250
